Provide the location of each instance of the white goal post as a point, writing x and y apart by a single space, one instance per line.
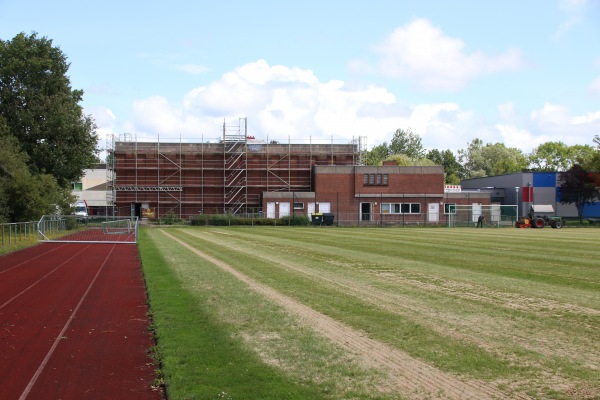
494 215
91 229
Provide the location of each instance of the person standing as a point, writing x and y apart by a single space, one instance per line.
480 220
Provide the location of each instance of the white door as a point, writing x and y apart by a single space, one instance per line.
476 211
284 209
271 210
434 212
311 209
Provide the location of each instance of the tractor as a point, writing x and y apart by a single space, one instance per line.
540 221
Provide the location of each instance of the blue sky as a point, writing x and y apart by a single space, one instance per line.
517 72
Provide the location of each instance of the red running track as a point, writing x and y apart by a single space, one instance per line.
74 324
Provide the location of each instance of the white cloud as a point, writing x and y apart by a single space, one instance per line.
422 53
282 102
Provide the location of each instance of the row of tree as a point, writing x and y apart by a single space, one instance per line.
46 141
480 160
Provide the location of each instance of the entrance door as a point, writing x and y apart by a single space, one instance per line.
311 209
284 209
434 212
365 211
477 211
271 210
136 210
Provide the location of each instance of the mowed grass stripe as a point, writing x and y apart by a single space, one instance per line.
428 306
400 265
423 253
336 301
200 355
548 261
218 339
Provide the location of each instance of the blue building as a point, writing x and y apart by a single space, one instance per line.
527 189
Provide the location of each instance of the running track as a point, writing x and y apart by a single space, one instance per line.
74 324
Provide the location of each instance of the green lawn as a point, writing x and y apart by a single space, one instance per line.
518 310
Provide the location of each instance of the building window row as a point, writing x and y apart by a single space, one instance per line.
375 179
401 208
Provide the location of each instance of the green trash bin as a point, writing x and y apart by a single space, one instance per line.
317 219
328 219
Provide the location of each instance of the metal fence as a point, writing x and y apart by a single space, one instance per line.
17 232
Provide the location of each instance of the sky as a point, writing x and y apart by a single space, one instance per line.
520 73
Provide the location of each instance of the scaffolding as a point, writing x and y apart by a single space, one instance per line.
235 167
227 174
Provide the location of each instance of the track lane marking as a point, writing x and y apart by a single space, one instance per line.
39 280
44 362
31 259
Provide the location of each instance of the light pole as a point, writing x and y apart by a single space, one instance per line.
517 191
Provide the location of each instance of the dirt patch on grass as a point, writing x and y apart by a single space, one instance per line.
411 377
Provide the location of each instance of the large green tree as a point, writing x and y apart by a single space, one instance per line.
578 186
593 163
559 157
377 154
408 143
453 170
23 195
42 111
481 160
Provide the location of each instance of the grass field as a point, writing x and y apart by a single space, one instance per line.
369 313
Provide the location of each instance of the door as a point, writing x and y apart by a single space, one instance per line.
477 211
284 209
433 212
365 211
271 210
311 209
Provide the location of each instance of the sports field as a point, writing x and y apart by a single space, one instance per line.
371 313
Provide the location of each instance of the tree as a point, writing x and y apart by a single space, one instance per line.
405 161
453 170
578 186
42 111
593 162
24 196
377 154
558 157
408 143
492 159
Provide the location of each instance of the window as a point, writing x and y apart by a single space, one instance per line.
450 208
375 179
400 208
77 186
410 208
299 206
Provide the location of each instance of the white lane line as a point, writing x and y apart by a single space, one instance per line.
38 281
31 259
37 374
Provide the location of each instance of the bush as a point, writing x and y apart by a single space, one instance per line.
232 220
170 219
71 223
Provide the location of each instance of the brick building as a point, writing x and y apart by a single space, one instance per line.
378 195
241 175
